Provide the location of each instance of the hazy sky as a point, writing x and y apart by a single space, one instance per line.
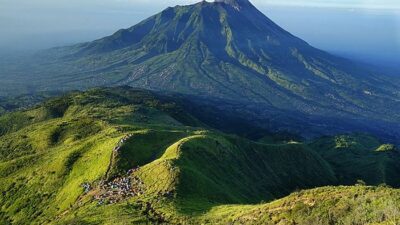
365 29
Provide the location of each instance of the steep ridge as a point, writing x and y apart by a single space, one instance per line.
222 170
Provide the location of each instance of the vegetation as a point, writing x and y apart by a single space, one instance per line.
328 205
360 157
12 103
214 50
57 158
201 151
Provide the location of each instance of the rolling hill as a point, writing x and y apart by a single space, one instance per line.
121 155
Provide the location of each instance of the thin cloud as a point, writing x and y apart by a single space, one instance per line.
363 4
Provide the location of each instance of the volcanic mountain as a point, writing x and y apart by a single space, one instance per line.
228 50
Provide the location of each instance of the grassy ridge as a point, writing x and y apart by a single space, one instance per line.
190 172
213 169
230 170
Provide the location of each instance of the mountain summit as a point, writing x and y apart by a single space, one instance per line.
238 4
229 50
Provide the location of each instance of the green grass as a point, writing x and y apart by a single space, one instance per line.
144 147
328 205
47 179
360 157
192 174
223 170
386 148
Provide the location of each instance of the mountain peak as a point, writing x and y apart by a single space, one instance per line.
237 4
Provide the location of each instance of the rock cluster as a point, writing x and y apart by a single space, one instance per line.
86 187
121 142
120 188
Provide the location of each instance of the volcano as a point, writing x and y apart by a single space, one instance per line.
226 49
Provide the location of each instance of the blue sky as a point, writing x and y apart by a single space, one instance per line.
364 29
371 4
374 4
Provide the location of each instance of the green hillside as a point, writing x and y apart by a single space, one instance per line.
328 205
118 156
360 157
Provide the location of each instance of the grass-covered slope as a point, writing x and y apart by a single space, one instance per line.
360 157
328 205
121 156
215 169
48 152
238 171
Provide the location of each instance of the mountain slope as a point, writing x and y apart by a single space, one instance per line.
225 49
361 205
255 171
217 49
328 205
360 157
57 148
115 156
